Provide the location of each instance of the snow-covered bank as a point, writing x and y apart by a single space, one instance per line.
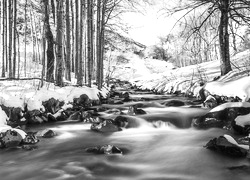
186 79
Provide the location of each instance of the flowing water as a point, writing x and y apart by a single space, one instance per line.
172 151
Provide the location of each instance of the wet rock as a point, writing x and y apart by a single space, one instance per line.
52 105
241 167
174 103
134 110
121 122
30 138
82 101
46 133
106 149
207 122
35 117
105 126
11 138
241 124
223 145
15 115
210 102
29 147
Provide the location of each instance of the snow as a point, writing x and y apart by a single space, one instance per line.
232 141
243 120
230 105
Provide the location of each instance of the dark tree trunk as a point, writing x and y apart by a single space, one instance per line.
224 38
59 74
50 45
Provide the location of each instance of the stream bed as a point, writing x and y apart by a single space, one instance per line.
172 151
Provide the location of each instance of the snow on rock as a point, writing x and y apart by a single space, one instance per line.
232 141
3 118
230 105
225 87
243 120
11 101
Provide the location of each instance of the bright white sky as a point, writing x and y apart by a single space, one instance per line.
148 26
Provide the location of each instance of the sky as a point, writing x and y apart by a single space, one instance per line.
147 27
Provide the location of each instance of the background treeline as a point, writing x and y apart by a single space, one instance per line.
59 40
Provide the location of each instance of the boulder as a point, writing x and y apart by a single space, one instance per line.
174 103
228 146
121 122
11 137
35 117
15 115
134 110
107 125
106 149
46 133
30 138
52 105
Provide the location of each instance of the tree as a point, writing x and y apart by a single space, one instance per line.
68 44
50 44
59 69
227 9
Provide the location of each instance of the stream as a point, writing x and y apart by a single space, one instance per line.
172 151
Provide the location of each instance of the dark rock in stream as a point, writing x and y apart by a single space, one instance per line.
174 103
35 117
30 138
106 125
15 114
106 149
134 110
52 105
222 145
10 138
46 133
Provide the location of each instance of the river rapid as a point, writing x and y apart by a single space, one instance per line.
172 151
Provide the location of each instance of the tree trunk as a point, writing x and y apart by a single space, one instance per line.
68 54
59 77
3 37
224 38
80 59
25 39
73 37
50 45
10 38
14 38
90 40
76 37
98 36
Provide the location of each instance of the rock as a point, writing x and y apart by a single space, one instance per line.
106 149
207 122
15 115
30 138
52 105
46 133
133 110
224 145
11 138
35 117
29 147
210 102
241 124
121 122
82 101
105 126
174 103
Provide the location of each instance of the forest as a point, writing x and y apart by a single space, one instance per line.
57 40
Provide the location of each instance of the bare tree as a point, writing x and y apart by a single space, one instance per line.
227 9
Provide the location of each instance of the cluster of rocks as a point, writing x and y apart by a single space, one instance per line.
18 138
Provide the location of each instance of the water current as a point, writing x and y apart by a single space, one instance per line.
172 151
